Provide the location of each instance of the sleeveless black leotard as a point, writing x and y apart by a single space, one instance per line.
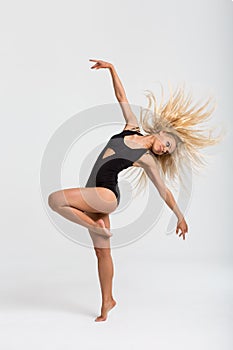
117 158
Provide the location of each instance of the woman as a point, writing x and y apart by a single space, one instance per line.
168 139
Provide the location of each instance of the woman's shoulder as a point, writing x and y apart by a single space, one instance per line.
125 132
148 159
131 128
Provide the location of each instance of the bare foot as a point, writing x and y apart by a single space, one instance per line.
101 230
106 307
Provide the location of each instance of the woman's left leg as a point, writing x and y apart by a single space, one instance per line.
105 267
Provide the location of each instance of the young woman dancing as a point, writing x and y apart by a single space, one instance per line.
170 138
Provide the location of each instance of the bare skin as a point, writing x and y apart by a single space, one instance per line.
105 267
90 207
73 202
160 143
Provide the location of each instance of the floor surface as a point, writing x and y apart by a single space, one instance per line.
163 306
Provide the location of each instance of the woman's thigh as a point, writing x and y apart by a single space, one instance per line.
89 199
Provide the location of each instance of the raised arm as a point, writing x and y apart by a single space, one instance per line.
148 163
130 117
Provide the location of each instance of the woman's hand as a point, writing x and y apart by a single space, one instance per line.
182 225
101 64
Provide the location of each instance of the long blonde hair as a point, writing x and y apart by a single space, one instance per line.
185 123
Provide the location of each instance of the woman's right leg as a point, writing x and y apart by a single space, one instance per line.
72 203
105 266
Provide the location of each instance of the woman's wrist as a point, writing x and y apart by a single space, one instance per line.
178 213
180 218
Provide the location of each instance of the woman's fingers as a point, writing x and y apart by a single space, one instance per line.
97 61
100 64
183 231
183 227
95 65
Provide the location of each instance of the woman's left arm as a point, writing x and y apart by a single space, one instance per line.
148 163
170 201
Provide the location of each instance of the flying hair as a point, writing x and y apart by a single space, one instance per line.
183 120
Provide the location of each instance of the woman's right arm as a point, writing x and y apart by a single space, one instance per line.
118 87
120 94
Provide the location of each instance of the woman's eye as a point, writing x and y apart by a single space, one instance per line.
168 144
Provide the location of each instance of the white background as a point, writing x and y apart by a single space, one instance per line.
170 292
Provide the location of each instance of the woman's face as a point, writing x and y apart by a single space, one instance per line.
164 143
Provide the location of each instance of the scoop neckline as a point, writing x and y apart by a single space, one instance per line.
130 147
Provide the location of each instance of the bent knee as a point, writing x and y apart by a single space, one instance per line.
102 252
53 201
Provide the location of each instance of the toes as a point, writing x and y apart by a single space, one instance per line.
101 222
100 318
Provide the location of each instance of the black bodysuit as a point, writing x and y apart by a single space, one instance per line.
115 157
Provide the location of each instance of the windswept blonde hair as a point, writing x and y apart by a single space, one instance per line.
185 123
